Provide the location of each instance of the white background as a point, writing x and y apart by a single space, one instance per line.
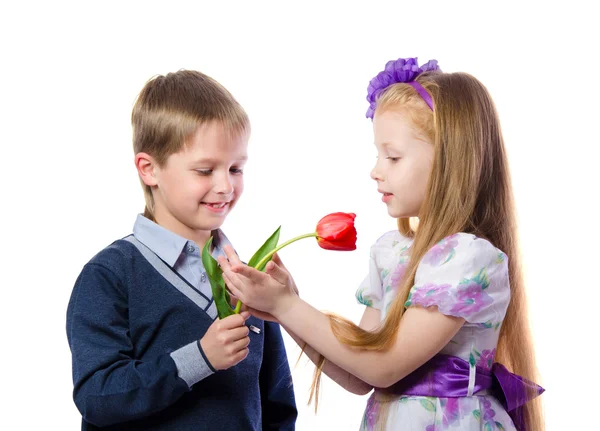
70 73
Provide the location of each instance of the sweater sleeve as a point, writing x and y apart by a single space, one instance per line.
110 385
277 391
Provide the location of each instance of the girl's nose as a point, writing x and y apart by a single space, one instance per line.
375 173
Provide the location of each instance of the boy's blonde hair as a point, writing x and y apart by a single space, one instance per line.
171 107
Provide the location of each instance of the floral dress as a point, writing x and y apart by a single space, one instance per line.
463 276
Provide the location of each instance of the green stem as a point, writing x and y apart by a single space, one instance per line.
265 259
238 307
279 247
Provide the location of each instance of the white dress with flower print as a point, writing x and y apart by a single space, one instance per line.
463 276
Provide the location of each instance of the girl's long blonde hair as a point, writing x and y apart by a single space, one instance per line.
469 191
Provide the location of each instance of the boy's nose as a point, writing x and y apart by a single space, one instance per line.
224 186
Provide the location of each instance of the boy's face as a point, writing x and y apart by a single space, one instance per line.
199 185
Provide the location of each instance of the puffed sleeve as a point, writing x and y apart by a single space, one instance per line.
463 276
371 291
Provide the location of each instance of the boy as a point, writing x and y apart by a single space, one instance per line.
148 351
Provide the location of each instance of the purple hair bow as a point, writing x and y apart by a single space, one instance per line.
402 70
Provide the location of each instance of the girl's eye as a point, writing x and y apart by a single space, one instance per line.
204 171
236 171
393 159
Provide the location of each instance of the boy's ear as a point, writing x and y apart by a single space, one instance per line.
145 165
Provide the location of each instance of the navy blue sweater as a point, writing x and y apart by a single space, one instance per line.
127 326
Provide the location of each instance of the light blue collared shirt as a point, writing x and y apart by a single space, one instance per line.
179 253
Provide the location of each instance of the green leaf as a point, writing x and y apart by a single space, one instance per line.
211 266
488 427
265 249
221 298
499 426
476 413
217 284
429 406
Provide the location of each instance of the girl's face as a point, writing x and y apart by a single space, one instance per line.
404 160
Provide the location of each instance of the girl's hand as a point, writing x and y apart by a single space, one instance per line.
261 314
278 265
272 291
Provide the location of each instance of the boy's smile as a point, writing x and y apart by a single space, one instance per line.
217 207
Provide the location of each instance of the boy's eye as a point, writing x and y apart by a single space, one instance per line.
204 171
393 159
237 171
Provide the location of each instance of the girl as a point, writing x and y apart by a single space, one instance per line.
445 301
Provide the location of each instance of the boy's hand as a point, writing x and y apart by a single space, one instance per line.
225 344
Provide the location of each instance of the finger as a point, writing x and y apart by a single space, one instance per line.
240 356
250 273
238 333
240 344
232 255
232 285
245 315
223 263
232 288
278 273
233 321
276 259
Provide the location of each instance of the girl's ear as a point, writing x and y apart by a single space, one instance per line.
146 165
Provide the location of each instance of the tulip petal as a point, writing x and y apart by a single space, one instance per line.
336 231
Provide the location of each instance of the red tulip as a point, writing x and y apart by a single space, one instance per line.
334 232
337 232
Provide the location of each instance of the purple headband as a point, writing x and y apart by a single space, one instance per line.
402 70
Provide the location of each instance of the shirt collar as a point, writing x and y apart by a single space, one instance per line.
168 245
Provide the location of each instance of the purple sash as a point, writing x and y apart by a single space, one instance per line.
446 376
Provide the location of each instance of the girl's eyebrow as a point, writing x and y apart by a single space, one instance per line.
390 146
